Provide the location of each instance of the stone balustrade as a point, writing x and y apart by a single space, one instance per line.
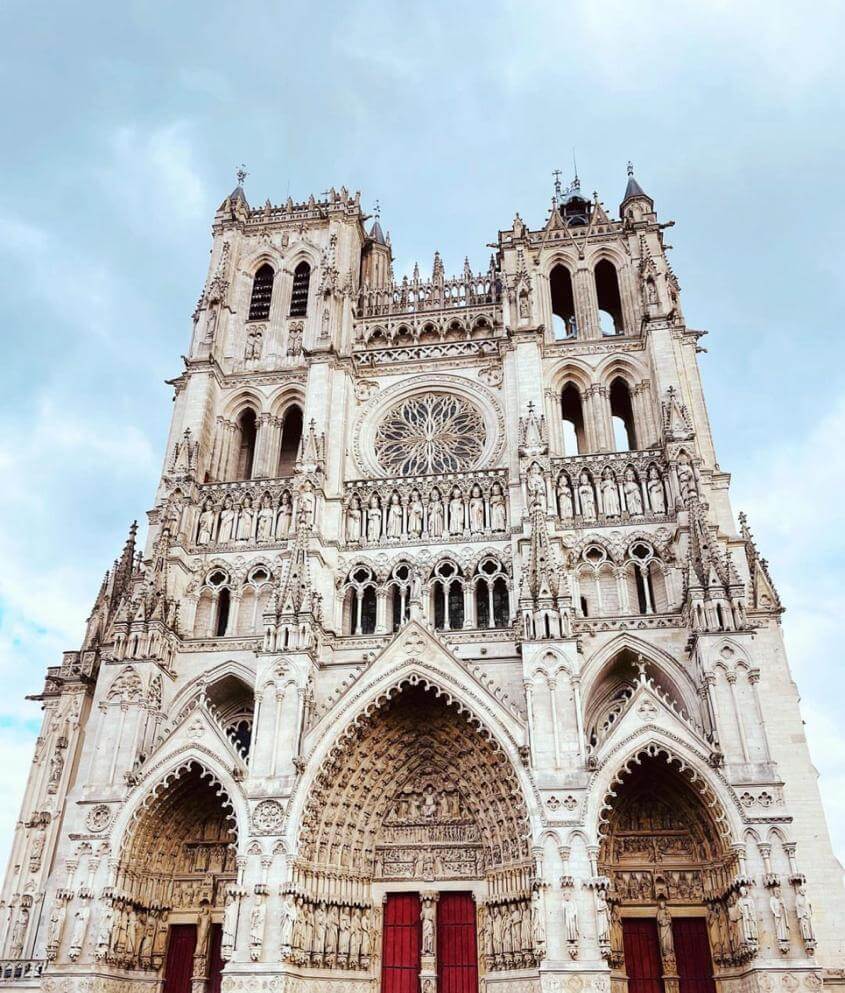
20 970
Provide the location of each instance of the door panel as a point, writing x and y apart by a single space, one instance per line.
457 951
179 965
215 961
642 955
692 951
401 940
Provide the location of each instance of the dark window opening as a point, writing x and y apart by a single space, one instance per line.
299 292
482 605
622 415
584 611
609 300
222 613
368 611
574 439
262 293
291 437
456 607
563 303
246 449
242 733
501 604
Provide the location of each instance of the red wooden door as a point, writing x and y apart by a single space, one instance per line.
457 952
642 955
401 940
692 952
179 965
215 961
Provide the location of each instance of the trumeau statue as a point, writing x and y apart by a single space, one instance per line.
426 644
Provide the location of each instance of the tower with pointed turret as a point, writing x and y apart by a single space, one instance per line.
445 665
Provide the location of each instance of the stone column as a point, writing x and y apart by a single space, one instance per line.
428 947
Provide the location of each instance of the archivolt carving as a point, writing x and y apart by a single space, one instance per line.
413 789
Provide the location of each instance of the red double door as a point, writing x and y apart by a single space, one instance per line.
692 955
457 954
179 964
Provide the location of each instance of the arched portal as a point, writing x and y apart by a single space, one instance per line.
176 862
671 894
416 800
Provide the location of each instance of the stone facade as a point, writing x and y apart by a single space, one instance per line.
442 590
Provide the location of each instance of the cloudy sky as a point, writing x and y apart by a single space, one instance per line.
121 129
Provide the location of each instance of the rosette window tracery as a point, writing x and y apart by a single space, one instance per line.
430 433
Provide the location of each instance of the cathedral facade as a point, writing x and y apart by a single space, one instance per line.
445 665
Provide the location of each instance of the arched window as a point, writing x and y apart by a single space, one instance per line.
622 416
563 303
609 301
222 622
492 604
361 610
246 444
574 439
448 598
291 436
400 596
299 292
262 293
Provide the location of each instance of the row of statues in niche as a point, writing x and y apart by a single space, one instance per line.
133 938
437 517
243 521
609 496
311 933
513 934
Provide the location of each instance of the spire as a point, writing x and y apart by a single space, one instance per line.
633 189
438 274
294 595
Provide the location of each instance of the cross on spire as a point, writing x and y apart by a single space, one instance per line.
557 174
241 174
630 168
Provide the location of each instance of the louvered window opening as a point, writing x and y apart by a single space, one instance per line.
299 293
262 293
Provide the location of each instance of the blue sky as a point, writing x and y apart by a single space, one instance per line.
121 129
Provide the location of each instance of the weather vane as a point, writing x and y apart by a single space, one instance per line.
241 174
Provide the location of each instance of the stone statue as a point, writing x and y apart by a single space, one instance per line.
436 514
374 519
319 934
633 496
748 917
565 506
355 933
476 510
428 927
656 496
227 521
781 921
104 933
394 517
602 918
206 524
285 516
145 946
415 514
664 933
498 514
686 478
245 519
331 935
535 484
19 933
307 504
36 851
344 936
353 520
570 917
587 497
265 519
203 931
77 932
804 913
256 928
538 925
609 494
294 340
456 512
366 943
57 764
55 927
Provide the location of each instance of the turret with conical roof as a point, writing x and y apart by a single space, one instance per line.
636 203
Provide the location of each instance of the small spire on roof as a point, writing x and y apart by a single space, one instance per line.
633 189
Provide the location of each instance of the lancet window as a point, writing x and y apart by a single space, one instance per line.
299 290
262 293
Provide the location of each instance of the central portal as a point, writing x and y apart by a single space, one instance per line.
404 944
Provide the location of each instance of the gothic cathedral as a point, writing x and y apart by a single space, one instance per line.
445 666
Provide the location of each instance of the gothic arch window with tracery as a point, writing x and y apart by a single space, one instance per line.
430 433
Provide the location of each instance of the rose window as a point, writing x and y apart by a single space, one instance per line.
433 432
